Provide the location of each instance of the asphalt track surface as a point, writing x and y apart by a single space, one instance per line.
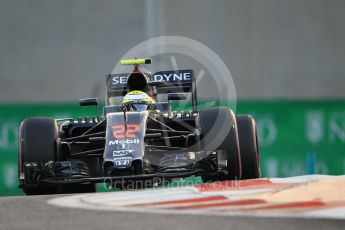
32 212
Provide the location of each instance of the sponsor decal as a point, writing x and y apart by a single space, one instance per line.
122 161
119 80
169 76
126 141
122 158
8 134
173 77
267 130
123 146
121 152
124 135
337 127
314 126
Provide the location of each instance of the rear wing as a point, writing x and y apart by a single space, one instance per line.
164 82
180 81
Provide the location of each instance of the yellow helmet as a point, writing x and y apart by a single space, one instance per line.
139 100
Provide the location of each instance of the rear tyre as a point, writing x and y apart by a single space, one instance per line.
37 143
219 132
249 147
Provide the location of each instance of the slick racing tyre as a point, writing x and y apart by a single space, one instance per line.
249 147
219 132
37 143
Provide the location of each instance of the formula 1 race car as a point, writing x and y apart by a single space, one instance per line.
138 139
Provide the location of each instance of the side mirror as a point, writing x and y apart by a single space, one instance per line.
177 96
88 101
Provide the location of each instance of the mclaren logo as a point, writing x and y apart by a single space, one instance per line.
121 152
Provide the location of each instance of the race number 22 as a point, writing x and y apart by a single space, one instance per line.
120 132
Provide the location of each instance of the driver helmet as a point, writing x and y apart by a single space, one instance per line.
137 100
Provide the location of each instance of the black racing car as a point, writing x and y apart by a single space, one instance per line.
129 143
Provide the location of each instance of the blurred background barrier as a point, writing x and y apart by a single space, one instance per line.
296 137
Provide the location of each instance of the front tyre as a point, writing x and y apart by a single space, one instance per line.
38 143
249 147
219 132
